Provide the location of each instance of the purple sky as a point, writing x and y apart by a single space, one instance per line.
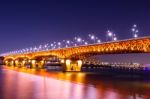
26 23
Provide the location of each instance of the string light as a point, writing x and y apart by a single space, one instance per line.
77 41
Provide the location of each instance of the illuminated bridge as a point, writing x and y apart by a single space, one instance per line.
71 58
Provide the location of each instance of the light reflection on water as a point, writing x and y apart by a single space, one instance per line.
32 84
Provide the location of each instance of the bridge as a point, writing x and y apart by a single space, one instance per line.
72 58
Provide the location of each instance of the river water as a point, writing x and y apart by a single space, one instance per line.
32 84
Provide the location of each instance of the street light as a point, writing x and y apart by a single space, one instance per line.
115 38
134 31
135 25
98 41
135 35
59 44
79 39
52 45
86 43
109 35
92 37
68 42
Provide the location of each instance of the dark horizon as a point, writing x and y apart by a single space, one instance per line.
24 24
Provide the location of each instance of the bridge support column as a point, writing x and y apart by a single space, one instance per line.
6 62
24 63
12 63
16 63
33 63
37 64
28 63
71 65
19 63
9 63
40 64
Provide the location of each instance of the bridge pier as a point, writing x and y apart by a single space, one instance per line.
40 64
18 63
37 64
24 63
6 63
12 63
71 65
9 63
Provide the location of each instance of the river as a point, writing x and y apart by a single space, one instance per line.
32 84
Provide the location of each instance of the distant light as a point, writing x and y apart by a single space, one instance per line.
86 43
135 35
92 37
79 39
115 38
45 46
110 33
89 34
35 48
98 41
134 25
75 44
133 29
68 41
136 31
62 61
59 43
68 62
52 44
40 46
79 63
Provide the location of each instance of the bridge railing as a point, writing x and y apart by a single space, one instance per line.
86 45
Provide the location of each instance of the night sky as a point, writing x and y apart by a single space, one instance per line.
24 23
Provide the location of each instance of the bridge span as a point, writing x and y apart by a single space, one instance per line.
72 58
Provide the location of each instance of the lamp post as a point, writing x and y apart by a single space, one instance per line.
109 35
59 45
78 40
98 41
92 37
114 37
67 43
135 31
